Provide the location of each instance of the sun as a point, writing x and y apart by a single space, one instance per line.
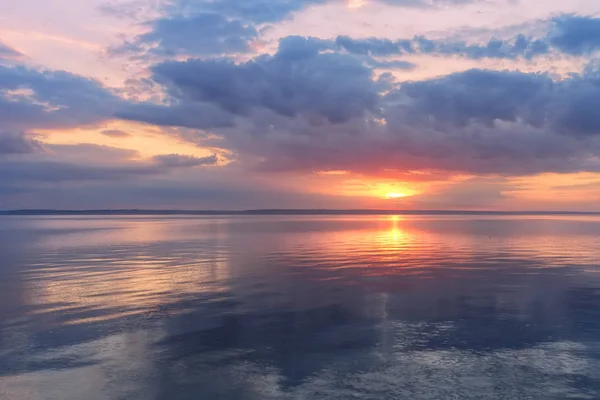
395 195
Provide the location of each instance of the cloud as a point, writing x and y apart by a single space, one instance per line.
115 133
215 27
297 80
18 143
470 194
391 64
520 46
575 35
83 164
473 122
89 153
43 172
427 3
179 112
131 9
7 52
375 46
482 96
202 27
202 34
33 98
398 147
308 109
203 192
179 160
254 11
250 11
568 34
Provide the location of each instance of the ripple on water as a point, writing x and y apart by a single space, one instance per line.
300 308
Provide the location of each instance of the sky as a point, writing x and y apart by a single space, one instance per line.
230 104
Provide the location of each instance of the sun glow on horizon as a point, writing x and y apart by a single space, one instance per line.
395 195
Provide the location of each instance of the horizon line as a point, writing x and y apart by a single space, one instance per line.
282 211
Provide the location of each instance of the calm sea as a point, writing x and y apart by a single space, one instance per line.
273 307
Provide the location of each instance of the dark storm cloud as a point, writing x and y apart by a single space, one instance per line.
297 80
31 98
179 160
18 143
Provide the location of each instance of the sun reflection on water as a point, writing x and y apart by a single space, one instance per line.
397 234
218 299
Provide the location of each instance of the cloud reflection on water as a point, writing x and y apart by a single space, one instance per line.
299 307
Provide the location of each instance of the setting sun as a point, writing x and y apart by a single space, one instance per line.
395 195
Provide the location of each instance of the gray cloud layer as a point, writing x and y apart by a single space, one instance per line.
298 80
480 96
179 160
219 27
309 110
569 34
18 143
31 99
314 105
225 27
521 46
575 35
202 34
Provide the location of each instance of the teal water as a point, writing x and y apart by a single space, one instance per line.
300 307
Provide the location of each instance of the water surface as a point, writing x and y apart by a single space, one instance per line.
301 307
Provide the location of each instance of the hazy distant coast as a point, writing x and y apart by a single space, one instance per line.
284 212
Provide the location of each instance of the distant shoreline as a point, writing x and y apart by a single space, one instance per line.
133 212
